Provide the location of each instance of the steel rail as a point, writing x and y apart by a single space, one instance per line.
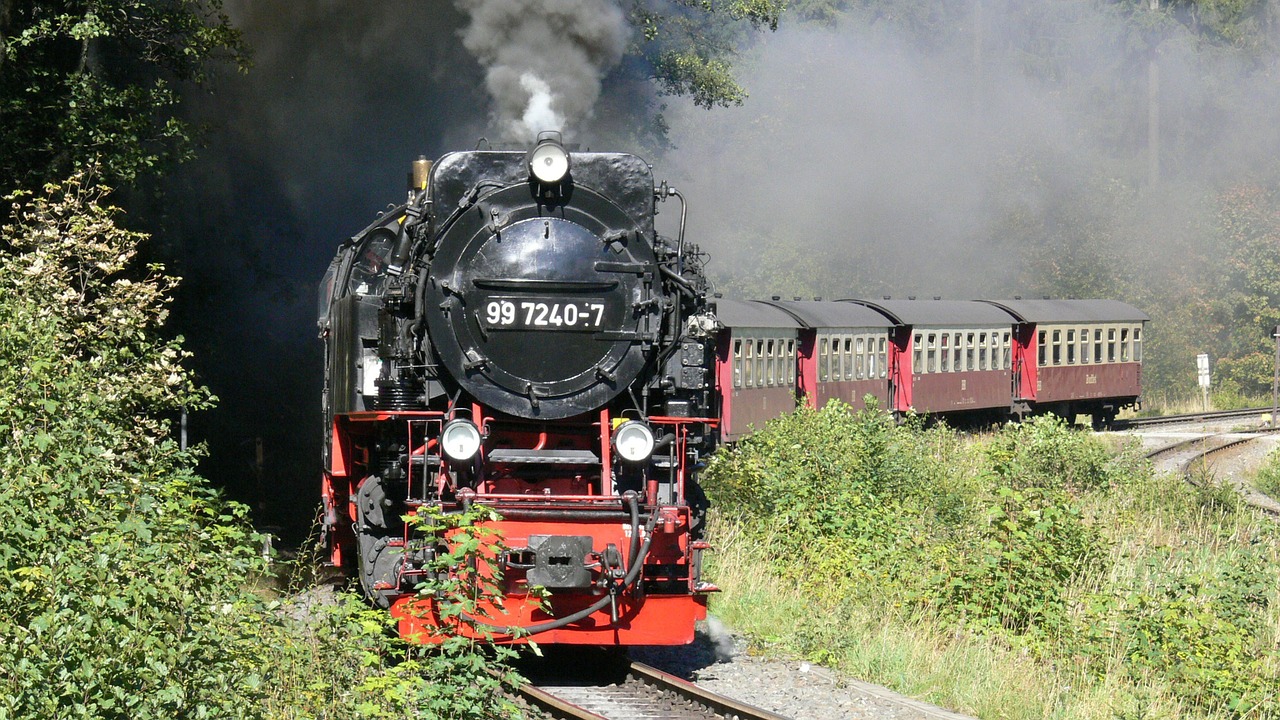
646 693
1252 497
725 706
1133 423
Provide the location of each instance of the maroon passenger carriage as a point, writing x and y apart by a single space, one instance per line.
1077 357
844 353
755 365
954 354
962 360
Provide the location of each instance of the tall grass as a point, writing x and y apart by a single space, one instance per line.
1163 604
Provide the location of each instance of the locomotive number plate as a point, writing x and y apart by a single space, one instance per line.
524 313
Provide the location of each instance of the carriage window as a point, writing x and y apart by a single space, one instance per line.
748 364
737 363
860 363
1111 344
1084 346
770 365
1124 344
1071 347
837 360
1057 347
1137 344
969 351
759 363
931 354
984 354
791 363
1042 348
946 353
850 359
782 364
824 361
1006 349
883 357
956 339
917 355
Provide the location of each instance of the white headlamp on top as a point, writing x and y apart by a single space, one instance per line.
633 441
548 161
460 440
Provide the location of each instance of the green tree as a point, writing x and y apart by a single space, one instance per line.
1248 306
689 46
95 82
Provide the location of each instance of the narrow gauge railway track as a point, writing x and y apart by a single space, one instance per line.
1194 467
1148 422
1232 440
645 693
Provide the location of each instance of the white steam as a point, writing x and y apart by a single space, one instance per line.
538 114
543 59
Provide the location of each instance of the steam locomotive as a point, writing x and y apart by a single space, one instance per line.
517 334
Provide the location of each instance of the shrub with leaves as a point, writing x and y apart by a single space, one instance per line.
122 577
910 516
127 585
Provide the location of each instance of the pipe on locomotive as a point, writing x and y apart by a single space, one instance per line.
663 192
633 573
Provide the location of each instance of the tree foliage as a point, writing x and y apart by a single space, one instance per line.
95 82
689 46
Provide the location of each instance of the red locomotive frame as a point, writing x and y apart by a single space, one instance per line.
656 535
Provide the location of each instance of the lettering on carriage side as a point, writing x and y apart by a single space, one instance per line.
1090 379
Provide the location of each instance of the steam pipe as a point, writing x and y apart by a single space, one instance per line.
680 240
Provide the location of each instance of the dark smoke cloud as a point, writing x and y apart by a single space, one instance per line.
544 59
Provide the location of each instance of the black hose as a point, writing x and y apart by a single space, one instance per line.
633 572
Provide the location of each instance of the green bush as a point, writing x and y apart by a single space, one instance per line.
860 507
1002 537
122 577
128 588
1268 479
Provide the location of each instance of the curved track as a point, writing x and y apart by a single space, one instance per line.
643 693
1196 465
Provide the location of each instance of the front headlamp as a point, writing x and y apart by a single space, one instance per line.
548 161
460 440
633 440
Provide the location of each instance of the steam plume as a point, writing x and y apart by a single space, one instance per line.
543 59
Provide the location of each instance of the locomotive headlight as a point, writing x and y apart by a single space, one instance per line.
549 161
634 441
460 440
